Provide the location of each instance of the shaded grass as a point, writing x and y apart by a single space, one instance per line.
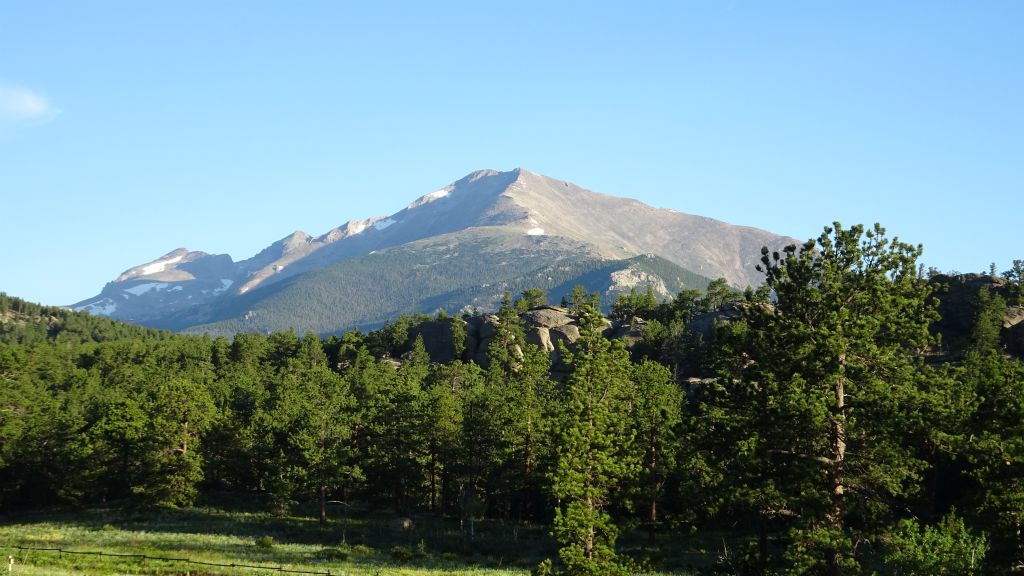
360 543
348 546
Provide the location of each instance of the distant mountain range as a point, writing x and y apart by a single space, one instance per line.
462 245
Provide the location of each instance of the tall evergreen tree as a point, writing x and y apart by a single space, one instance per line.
513 409
1015 277
595 455
989 310
994 444
656 415
393 428
445 391
824 371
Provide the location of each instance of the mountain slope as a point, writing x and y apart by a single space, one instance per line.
470 269
448 248
622 227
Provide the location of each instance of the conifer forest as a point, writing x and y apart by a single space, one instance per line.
848 416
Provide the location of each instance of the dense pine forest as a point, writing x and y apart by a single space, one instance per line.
848 417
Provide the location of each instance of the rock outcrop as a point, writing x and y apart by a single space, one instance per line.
957 297
545 327
703 325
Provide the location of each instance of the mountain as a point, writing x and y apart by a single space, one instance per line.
461 245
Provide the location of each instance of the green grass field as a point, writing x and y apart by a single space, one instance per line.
350 546
353 545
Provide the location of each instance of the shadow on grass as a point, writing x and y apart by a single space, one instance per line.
354 536
360 537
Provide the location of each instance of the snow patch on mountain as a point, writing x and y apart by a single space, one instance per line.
224 285
143 288
535 232
383 224
104 307
428 198
348 229
159 266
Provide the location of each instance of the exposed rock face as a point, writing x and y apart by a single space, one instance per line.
479 332
437 338
624 280
1013 330
632 332
1014 316
704 324
541 337
1015 340
568 333
548 317
957 296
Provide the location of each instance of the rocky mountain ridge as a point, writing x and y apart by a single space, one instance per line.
516 210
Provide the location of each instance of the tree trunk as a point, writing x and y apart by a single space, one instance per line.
323 505
653 510
433 478
933 481
835 515
653 520
588 541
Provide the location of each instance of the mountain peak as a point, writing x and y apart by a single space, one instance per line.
478 174
164 267
350 228
478 234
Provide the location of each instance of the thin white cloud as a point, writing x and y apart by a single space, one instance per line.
22 105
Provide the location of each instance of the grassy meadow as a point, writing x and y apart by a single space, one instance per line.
353 545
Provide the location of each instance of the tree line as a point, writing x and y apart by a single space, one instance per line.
824 427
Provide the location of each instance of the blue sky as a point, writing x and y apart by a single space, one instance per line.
128 129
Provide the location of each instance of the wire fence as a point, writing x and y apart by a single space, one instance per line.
186 561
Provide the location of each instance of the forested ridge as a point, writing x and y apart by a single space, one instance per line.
829 426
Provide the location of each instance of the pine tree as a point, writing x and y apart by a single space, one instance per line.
821 376
595 454
656 416
994 442
314 412
989 310
717 293
393 427
446 390
180 411
1015 277
531 298
511 412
